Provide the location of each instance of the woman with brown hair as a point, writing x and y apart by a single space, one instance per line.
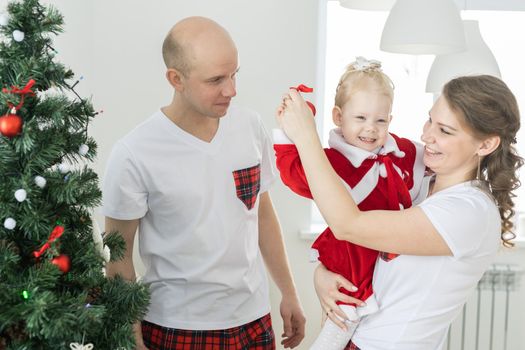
445 242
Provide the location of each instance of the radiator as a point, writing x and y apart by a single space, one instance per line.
483 323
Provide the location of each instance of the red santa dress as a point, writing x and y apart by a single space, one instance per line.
386 179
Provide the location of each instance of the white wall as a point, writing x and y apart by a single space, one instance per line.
116 44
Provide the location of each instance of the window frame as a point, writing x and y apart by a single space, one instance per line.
417 67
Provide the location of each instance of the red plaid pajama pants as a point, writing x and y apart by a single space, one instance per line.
256 335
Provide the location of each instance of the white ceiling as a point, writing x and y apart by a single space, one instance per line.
495 5
500 5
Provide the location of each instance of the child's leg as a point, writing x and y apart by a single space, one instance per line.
334 338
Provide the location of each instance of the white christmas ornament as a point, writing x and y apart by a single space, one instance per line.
10 223
40 181
18 35
63 168
4 19
106 254
44 125
20 195
83 149
77 346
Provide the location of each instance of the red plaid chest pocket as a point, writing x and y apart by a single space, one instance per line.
248 184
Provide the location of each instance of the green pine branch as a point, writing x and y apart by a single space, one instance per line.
42 306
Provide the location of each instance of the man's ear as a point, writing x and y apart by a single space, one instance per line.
337 116
489 145
175 78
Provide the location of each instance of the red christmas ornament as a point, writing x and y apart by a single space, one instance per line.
304 88
62 262
10 125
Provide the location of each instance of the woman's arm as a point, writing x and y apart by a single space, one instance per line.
403 232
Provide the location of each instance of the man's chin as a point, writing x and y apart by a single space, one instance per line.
222 110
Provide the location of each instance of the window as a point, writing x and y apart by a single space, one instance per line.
350 33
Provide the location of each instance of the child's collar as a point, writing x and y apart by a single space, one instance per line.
357 155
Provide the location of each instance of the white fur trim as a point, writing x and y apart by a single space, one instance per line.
314 255
350 312
354 313
382 170
371 306
280 138
400 173
399 154
356 155
365 186
418 175
390 146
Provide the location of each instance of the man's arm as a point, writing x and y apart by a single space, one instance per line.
127 229
272 249
124 267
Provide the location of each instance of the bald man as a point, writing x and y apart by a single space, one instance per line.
194 179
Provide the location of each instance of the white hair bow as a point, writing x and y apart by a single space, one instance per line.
362 63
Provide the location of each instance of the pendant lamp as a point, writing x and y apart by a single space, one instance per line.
477 59
423 27
369 5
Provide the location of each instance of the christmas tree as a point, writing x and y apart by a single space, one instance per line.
53 290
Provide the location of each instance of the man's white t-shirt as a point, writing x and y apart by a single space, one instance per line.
198 239
419 296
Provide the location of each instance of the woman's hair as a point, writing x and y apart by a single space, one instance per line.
361 74
489 108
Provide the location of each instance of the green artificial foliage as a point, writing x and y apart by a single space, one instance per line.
42 306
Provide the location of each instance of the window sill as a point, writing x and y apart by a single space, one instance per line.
311 233
519 242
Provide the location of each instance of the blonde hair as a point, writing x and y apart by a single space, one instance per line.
361 74
489 108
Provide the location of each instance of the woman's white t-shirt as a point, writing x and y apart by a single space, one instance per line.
419 296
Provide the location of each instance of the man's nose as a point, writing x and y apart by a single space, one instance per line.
229 89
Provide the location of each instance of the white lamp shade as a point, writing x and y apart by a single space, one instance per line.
370 5
477 59
423 27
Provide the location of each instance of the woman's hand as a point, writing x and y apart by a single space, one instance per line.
327 286
296 118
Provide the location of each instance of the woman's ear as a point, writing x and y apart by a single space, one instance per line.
175 78
337 116
489 145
